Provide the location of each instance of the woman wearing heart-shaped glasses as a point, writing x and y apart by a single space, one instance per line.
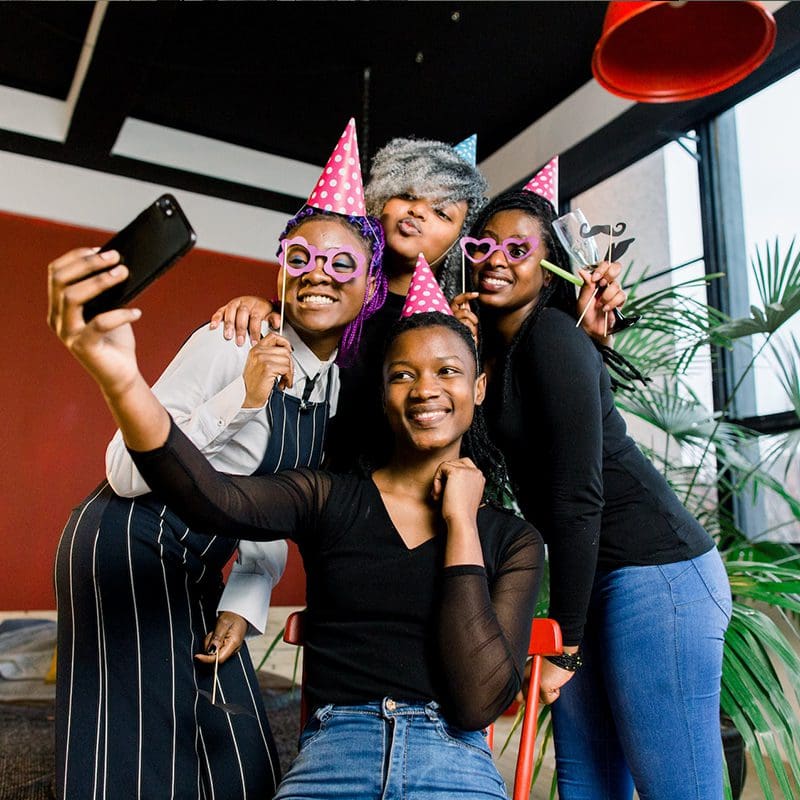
636 583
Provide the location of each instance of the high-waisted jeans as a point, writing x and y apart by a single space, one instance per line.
644 708
390 751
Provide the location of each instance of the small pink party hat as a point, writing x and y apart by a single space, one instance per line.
545 182
340 187
424 293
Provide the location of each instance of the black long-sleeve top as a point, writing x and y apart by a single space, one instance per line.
359 432
599 503
382 619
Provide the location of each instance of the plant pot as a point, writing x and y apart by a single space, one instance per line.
733 748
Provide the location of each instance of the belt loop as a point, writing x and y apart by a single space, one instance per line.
323 712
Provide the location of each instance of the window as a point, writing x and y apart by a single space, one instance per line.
766 133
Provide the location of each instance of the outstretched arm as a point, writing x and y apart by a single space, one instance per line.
105 346
267 508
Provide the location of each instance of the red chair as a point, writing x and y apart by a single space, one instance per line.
545 641
293 634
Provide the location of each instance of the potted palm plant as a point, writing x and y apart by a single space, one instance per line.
711 461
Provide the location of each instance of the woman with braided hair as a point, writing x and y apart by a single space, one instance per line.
636 583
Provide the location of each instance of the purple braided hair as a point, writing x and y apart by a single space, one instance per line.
369 229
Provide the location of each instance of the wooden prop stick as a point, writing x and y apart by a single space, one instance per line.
608 258
463 275
214 688
283 303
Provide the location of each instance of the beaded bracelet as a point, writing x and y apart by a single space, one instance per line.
568 661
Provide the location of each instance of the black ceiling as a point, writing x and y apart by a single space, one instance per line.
283 77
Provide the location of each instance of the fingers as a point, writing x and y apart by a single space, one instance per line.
73 280
241 321
605 276
448 469
216 318
274 320
467 317
226 638
268 359
278 356
75 266
462 300
229 316
548 696
605 272
613 297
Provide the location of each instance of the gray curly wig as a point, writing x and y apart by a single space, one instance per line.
430 169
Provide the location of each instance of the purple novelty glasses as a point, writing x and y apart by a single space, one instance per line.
513 248
340 263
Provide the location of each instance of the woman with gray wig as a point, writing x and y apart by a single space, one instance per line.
432 174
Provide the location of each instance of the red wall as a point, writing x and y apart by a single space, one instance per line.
55 426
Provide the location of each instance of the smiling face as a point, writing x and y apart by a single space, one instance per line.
415 225
511 286
317 305
431 389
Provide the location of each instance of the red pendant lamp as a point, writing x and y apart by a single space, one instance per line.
663 52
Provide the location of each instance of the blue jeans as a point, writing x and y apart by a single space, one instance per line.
390 751
644 708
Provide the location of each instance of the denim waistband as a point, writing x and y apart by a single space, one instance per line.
386 709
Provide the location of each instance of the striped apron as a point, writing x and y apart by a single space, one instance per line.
137 592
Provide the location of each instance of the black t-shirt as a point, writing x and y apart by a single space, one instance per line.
580 479
383 619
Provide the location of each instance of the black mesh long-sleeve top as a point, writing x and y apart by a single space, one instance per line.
382 619
599 503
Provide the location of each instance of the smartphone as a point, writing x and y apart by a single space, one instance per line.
148 247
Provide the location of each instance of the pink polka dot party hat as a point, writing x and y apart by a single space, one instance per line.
545 182
340 188
424 293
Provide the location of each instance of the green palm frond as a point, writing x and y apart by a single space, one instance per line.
786 355
674 326
753 696
675 409
778 282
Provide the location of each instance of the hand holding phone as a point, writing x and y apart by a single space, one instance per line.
148 247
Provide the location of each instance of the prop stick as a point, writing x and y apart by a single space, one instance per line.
283 292
562 273
586 307
214 688
608 258
463 275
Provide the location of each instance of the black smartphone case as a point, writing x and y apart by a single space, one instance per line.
149 246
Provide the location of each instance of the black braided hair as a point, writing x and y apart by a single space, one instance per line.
476 443
557 294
